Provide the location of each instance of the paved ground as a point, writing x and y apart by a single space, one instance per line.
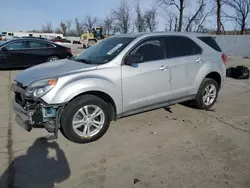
183 147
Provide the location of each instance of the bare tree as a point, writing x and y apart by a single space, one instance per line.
202 18
47 28
171 21
140 22
218 16
193 18
73 32
63 28
179 4
79 27
89 22
241 11
150 19
122 16
68 26
108 24
223 28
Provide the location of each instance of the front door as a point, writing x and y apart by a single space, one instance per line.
146 83
13 55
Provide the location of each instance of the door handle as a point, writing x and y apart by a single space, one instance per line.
198 60
164 67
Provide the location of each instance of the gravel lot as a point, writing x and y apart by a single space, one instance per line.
180 147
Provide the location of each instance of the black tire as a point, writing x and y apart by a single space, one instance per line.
53 58
199 103
69 112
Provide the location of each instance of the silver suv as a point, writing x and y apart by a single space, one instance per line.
120 76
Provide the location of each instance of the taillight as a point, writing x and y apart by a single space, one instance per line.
69 50
224 58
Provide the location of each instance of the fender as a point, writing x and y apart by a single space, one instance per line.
67 90
206 69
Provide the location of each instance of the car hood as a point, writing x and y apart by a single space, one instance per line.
52 69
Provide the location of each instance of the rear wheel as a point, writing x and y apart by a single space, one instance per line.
85 119
207 94
53 58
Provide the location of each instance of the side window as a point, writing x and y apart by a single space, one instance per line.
15 45
210 41
183 46
37 44
151 49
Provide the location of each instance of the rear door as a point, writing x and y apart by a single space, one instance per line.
184 61
37 52
13 56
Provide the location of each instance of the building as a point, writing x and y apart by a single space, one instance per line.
7 34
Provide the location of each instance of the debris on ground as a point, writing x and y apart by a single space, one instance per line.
238 72
155 133
136 180
186 121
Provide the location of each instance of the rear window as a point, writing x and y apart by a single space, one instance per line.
211 42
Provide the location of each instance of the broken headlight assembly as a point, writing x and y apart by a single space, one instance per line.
39 88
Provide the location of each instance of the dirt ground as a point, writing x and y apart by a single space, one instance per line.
178 147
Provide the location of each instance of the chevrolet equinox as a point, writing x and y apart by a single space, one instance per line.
121 75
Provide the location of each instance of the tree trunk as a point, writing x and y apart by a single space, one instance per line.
223 29
243 25
218 17
181 15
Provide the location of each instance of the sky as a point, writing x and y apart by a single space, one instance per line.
23 15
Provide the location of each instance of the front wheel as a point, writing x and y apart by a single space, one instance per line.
85 119
207 94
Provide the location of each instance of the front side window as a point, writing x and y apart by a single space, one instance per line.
15 45
104 51
151 49
183 46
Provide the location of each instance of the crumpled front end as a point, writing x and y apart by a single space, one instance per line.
33 113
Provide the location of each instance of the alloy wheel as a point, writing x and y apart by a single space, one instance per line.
88 121
209 95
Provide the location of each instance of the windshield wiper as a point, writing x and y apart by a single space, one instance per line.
84 61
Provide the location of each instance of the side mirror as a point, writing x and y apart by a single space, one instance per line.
3 49
135 58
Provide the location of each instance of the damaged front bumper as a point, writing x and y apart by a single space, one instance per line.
40 116
35 113
23 118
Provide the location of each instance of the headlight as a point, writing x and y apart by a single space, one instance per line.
39 88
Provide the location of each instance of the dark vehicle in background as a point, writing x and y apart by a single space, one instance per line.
76 42
61 40
27 52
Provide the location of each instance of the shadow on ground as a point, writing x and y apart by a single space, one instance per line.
38 168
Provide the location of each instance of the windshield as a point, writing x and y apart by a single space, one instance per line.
104 51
